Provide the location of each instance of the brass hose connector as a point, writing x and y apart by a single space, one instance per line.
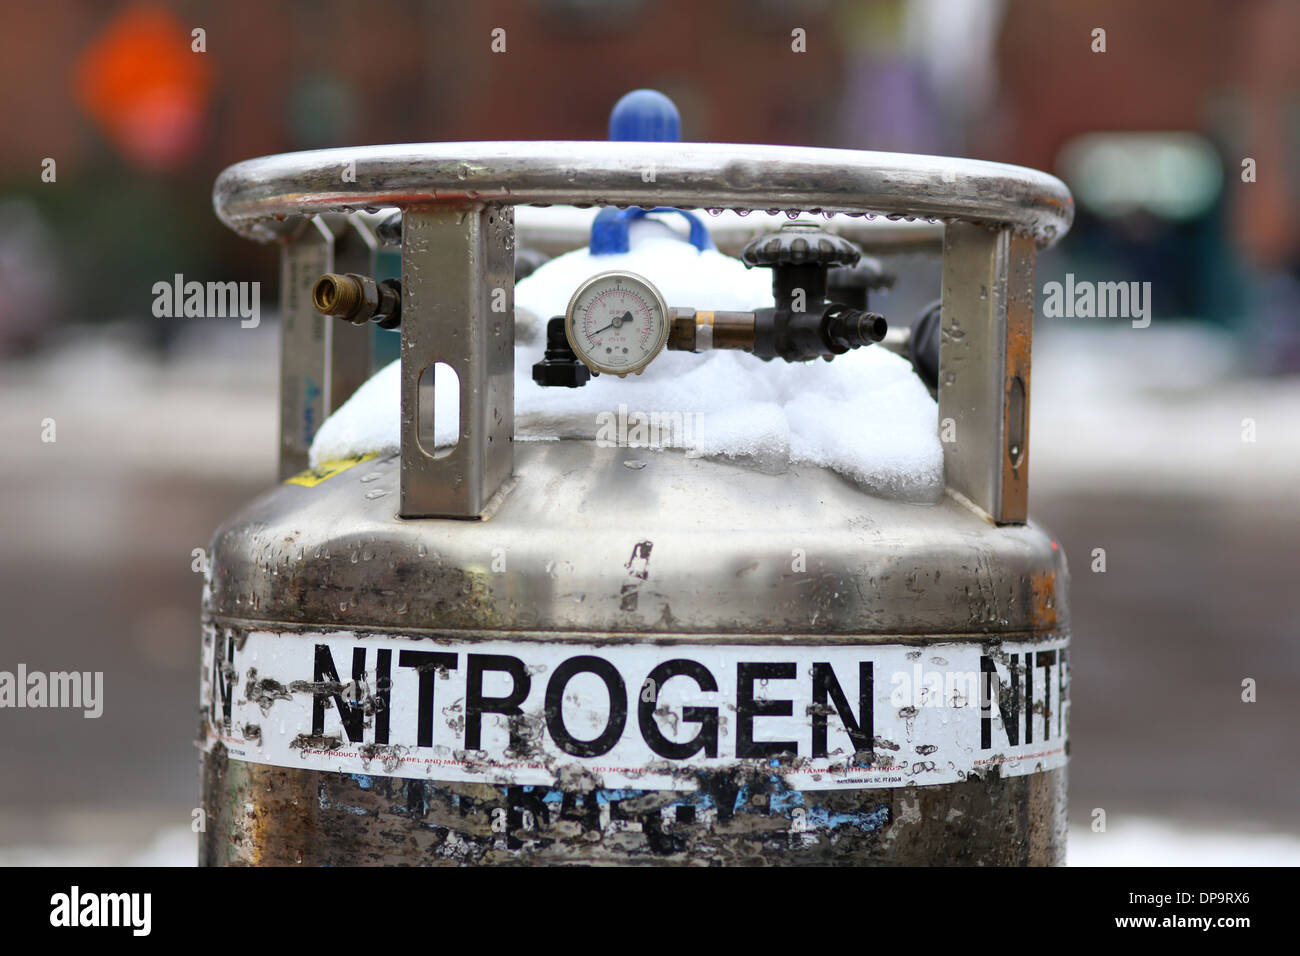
359 299
340 295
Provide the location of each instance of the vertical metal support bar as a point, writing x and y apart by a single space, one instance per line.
984 365
355 250
304 343
385 345
457 308
322 361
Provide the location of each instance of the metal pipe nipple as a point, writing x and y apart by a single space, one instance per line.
335 294
359 299
845 328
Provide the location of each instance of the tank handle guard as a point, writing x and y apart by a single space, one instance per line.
458 284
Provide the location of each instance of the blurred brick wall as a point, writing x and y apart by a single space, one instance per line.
425 71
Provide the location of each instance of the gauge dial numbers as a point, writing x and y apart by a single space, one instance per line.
616 323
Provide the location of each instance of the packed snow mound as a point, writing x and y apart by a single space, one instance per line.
866 414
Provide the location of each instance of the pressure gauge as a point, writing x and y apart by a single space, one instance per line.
617 323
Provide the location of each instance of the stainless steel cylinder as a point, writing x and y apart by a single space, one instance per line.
561 652
963 622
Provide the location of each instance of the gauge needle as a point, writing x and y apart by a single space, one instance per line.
617 321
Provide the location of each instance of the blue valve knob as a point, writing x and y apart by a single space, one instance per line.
645 116
642 116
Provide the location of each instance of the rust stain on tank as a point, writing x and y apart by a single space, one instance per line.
1043 593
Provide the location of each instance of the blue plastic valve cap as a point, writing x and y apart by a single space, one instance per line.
645 116
642 116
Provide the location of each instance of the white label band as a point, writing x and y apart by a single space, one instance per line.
636 715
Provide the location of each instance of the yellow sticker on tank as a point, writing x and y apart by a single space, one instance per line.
328 469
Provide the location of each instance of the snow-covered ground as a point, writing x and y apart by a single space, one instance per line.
1144 841
1162 410
208 412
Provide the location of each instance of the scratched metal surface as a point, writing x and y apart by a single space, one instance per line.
678 546
273 816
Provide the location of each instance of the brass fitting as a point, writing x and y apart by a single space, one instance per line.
335 294
358 299
699 331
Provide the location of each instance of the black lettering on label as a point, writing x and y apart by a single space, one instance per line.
748 708
223 668
614 723
1008 701
352 716
476 705
1062 680
707 717
383 694
427 665
1029 694
826 689
1045 660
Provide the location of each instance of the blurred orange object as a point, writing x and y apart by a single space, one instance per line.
144 84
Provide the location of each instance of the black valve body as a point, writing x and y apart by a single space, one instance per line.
560 365
802 325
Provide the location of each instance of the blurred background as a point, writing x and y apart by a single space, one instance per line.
1174 447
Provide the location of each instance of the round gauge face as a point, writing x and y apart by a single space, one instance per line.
616 323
